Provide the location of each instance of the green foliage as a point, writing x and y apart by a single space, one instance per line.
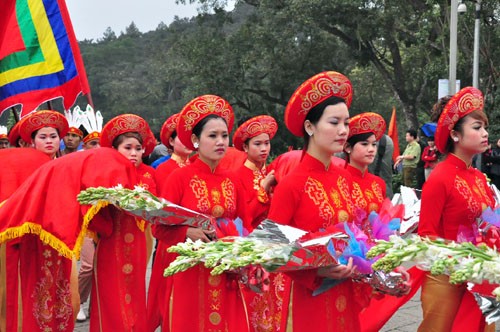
256 56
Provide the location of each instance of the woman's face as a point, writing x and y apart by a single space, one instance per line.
363 152
132 149
214 140
329 134
258 148
179 148
474 138
47 140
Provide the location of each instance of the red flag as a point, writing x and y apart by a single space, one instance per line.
393 134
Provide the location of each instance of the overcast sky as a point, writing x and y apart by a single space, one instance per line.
92 17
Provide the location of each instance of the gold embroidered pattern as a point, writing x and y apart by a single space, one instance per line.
343 186
52 312
316 192
357 196
200 191
377 191
465 191
229 194
480 183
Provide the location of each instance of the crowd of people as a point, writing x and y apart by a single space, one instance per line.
44 230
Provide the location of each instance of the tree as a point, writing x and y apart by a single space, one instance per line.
404 41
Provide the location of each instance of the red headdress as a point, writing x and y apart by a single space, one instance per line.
368 122
41 119
464 102
311 93
128 123
91 121
262 124
168 128
74 121
199 108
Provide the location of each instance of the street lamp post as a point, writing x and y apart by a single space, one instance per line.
453 48
477 25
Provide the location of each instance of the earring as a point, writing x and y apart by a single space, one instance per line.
196 145
455 139
309 133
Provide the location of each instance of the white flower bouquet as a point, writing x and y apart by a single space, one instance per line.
463 262
141 203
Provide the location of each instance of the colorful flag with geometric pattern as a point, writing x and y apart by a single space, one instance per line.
39 55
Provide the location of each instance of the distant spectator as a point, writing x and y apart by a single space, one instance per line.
409 158
430 156
159 151
382 165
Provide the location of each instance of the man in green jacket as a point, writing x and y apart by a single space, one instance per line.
409 158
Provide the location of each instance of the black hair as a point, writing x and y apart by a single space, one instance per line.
412 132
199 126
33 134
315 114
359 138
120 138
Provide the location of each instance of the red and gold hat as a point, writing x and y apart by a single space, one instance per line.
311 93
128 123
464 102
262 124
168 128
199 108
41 119
368 122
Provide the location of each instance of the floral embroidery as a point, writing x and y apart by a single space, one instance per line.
48 311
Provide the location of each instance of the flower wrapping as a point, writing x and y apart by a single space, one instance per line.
463 262
142 204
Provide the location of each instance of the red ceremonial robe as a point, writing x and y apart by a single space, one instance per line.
199 301
17 165
264 309
368 190
45 208
159 286
311 198
118 301
452 198
257 200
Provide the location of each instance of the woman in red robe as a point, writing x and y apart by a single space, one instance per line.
316 195
200 301
43 130
118 300
368 190
17 165
160 286
453 198
254 138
